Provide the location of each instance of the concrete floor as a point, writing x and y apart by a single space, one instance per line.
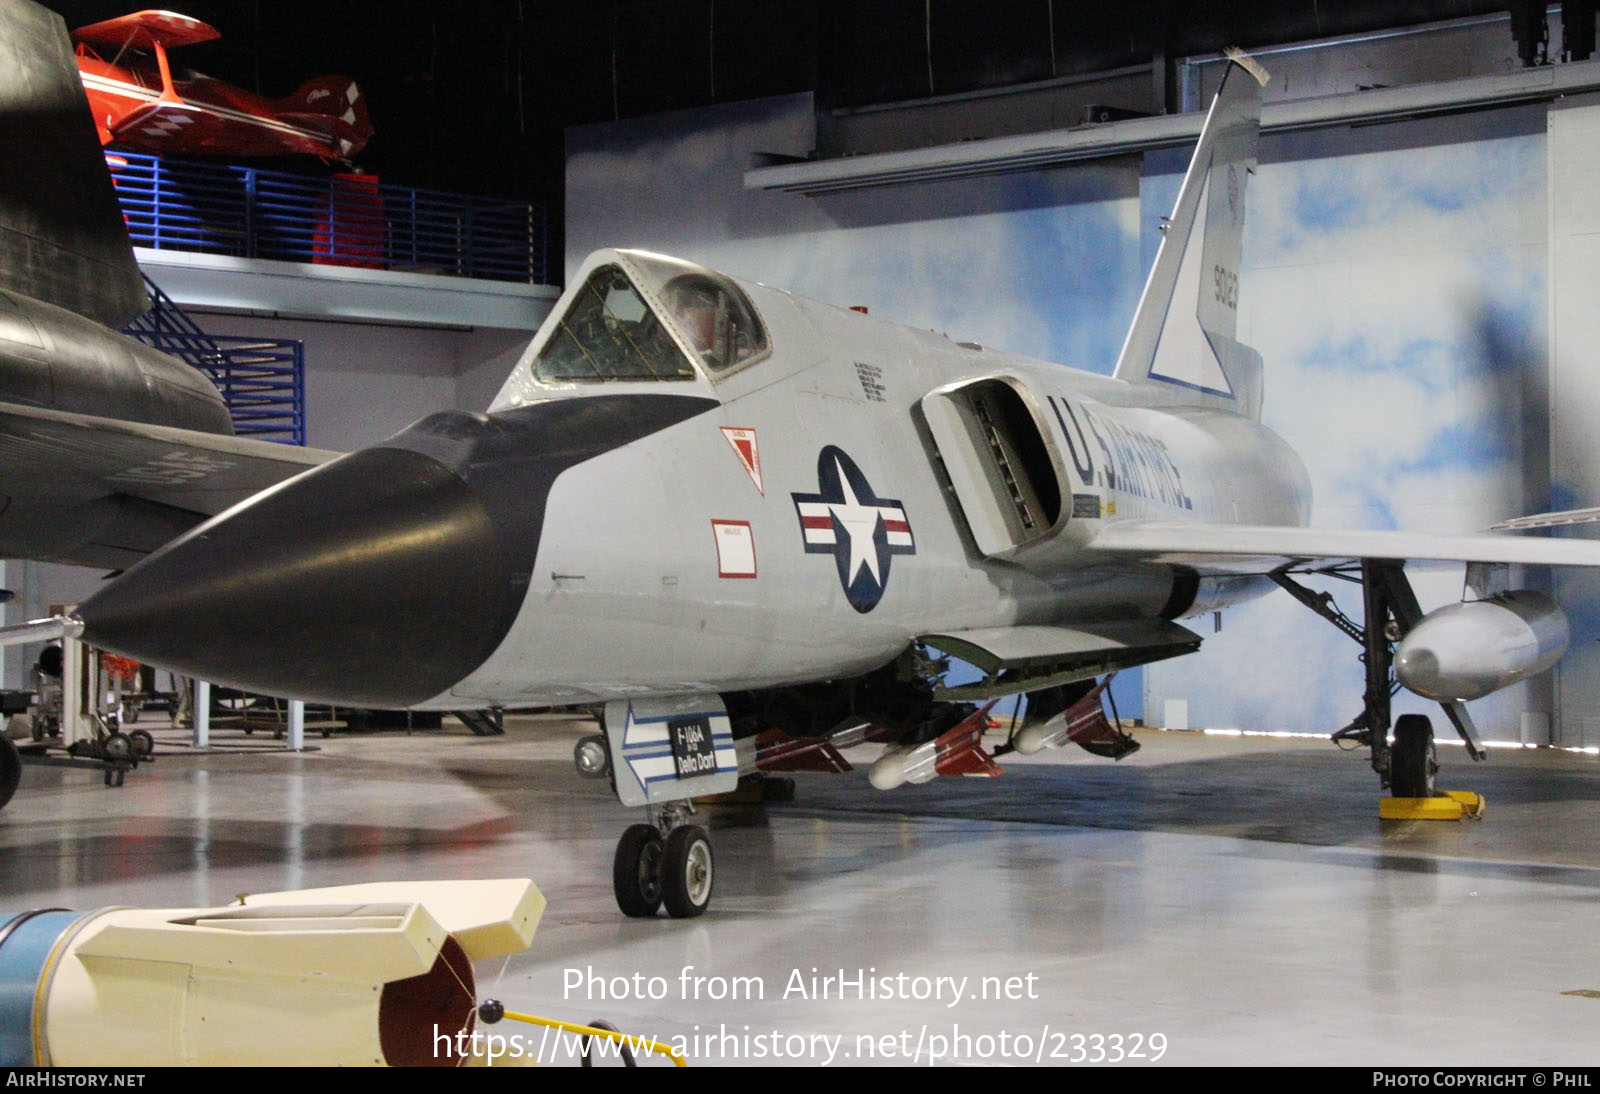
1231 901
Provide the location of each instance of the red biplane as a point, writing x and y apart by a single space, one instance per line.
138 103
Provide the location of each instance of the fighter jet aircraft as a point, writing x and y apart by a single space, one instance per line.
752 526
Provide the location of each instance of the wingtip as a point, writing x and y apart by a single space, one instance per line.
1248 63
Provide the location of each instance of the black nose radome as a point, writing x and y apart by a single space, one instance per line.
376 580
381 579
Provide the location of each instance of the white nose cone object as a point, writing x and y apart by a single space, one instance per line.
353 975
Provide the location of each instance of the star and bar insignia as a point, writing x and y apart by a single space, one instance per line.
859 529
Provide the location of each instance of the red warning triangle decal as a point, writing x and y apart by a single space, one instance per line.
744 446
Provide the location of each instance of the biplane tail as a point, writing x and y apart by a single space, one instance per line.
333 105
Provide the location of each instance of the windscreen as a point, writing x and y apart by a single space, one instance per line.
609 334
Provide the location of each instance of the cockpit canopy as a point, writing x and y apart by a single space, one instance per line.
717 318
613 330
608 333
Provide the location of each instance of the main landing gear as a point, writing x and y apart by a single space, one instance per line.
663 753
1409 766
1413 761
666 863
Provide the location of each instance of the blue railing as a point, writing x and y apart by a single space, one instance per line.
346 220
262 380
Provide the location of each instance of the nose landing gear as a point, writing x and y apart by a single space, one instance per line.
668 862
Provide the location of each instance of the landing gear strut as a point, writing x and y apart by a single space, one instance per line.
1390 610
666 863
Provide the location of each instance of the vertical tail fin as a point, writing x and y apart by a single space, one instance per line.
334 105
1198 350
62 237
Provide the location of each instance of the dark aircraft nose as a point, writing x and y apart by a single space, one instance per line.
380 579
376 580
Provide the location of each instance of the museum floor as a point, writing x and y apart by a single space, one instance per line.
1230 900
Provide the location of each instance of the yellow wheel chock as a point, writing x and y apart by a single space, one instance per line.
1450 805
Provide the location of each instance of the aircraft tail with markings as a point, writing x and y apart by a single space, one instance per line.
62 237
1199 260
332 106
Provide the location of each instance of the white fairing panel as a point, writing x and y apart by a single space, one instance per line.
670 748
